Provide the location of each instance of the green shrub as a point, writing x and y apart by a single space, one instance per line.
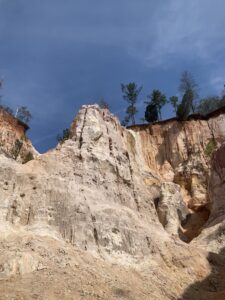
16 149
29 156
65 136
210 147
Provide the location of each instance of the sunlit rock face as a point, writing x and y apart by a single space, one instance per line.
108 209
90 191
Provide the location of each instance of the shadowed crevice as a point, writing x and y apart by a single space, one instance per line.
213 286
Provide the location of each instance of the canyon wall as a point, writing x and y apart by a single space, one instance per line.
212 237
106 203
181 152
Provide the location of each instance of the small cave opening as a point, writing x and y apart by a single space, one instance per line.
194 223
156 203
191 224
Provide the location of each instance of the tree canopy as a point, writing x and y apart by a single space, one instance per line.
209 104
184 107
189 87
103 104
130 94
23 114
157 100
174 101
151 113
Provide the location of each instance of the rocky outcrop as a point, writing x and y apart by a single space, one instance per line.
13 140
181 151
90 190
217 187
171 209
107 211
212 236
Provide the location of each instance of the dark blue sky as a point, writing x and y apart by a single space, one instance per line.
56 55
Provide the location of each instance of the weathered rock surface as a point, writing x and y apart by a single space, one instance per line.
180 152
90 191
13 140
171 209
213 235
101 216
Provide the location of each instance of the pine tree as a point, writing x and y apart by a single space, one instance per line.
130 94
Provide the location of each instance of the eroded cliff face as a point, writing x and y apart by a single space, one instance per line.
213 234
180 152
90 190
105 212
13 140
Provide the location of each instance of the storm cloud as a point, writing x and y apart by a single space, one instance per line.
56 55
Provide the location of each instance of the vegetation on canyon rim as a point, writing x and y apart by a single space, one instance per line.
22 112
188 103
